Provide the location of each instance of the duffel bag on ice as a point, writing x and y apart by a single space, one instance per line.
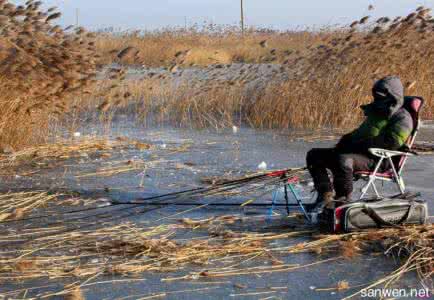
380 213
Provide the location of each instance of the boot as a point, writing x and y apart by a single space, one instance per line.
324 200
328 199
343 200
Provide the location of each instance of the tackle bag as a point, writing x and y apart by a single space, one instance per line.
366 214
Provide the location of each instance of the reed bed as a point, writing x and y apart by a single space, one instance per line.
48 73
335 78
43 67
322 87
206 46
183 106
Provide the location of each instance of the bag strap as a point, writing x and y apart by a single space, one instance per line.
381 222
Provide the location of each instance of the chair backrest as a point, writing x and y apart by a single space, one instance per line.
413 105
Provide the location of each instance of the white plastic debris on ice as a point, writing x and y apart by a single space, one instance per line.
262 166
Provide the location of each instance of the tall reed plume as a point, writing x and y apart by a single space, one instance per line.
42 67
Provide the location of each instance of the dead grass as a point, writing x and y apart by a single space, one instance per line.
14 206
69 148
334 79
130 250
42 67
47 70
328 79
31 160
204 47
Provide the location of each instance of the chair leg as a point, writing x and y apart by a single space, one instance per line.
397 178
372 179
401 185
365 189
375 190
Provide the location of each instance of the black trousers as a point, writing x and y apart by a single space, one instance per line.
342 166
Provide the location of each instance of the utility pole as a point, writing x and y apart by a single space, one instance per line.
77 13
242 17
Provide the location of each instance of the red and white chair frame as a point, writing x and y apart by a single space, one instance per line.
394 175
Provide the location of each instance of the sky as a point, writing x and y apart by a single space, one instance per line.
277 14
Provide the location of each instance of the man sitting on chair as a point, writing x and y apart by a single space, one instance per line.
388 125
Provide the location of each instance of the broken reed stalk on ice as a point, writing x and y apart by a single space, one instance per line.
67 149
223 246
14 206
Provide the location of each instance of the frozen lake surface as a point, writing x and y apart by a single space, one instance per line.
209 153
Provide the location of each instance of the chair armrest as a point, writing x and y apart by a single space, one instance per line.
384 153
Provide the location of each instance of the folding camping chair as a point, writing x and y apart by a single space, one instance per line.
396 159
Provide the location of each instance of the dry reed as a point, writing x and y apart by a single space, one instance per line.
328 73
335 78
204 47
327 80
43 67
48 155
131 250
14 206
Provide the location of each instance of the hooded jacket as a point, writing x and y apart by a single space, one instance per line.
388 124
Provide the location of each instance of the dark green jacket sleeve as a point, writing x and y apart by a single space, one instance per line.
392 137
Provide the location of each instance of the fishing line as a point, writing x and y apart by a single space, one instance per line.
179 196
100 222
227 186
211 192
196 190
273 182
274 179
111 219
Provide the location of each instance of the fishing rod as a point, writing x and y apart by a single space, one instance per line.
272 181
275 177
282 179
111 219
213 191
214 204
107 219
168 195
